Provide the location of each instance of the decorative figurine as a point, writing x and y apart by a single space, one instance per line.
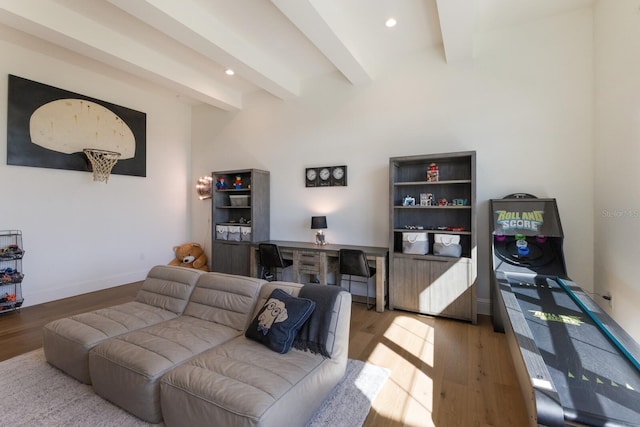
221 184
408 201
426 199
238 182
432 173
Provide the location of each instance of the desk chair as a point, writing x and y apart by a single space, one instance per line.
271 260
354 263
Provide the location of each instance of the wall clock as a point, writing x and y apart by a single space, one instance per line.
324 174
311 175
339 175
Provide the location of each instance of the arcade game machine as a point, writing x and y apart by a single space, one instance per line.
576 366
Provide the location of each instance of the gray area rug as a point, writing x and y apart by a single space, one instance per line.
32 393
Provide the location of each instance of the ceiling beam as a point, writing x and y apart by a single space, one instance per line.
457 19
56 24
189 24
309 20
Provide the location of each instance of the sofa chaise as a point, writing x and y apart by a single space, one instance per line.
163 296
245 383
126 370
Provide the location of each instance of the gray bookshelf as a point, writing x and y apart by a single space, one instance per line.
432 284
245 209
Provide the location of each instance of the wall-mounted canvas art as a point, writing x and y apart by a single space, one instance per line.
49 127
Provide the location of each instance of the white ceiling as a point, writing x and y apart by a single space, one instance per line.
273 45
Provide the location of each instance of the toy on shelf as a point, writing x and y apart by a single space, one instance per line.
11 252
432 173
10 275
427 199
221 184
238 182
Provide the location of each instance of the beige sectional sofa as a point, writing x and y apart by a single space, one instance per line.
198 368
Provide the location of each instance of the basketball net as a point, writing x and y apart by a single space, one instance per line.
102 161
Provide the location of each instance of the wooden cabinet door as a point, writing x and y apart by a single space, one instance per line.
231 258
410 290
437 287
450 288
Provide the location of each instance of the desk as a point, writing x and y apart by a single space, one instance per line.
319 259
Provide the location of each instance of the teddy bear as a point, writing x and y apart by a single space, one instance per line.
190 255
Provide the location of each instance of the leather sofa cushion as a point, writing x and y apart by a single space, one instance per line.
168 287
225 299
152 351
244 383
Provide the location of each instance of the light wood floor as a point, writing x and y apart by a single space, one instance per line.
444 373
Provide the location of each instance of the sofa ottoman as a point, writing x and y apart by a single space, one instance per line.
163 296
126 370
244 383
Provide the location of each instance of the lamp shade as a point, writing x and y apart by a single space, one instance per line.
318 222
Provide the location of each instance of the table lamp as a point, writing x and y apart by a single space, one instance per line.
319 223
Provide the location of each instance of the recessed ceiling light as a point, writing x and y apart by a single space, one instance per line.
391 22
229 72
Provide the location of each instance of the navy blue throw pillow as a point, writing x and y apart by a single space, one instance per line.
279 320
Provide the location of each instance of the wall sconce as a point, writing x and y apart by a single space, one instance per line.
203 187
319 223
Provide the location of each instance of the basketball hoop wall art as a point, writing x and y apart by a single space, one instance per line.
49 127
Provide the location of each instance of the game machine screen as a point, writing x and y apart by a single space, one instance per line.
527 237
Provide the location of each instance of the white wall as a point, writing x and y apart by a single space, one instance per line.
80 235
617 171
206 122
525 104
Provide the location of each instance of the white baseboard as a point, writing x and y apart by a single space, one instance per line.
80 288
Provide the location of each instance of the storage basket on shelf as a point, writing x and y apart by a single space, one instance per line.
447 245
239 200
415 243
222 232
234 233
245 234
